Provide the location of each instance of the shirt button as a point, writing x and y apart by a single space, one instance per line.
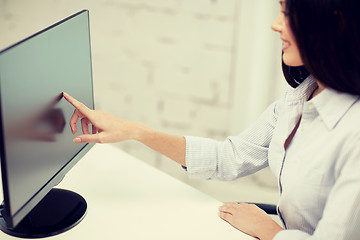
310 106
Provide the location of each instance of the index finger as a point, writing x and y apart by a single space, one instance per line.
78 105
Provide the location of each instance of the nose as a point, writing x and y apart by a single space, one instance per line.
277 23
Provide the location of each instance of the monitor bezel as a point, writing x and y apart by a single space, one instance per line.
15 219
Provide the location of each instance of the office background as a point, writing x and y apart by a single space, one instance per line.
190 67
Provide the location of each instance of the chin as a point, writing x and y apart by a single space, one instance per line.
292 60
293 63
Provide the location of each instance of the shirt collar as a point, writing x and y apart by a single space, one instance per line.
302 93
333 105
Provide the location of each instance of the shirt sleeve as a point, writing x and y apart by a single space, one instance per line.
341 216
235 157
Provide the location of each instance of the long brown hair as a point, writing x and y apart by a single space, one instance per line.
328 37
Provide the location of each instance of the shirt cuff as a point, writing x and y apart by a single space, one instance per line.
201 157
291 234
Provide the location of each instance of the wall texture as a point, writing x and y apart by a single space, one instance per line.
190 67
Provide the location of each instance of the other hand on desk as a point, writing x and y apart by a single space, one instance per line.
249 219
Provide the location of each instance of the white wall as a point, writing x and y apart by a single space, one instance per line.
189 67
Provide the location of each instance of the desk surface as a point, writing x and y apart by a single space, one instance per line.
128 199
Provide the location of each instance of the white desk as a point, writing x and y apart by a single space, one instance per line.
128 199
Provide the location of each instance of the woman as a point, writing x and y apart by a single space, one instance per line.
310 138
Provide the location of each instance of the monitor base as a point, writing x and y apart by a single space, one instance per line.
59 211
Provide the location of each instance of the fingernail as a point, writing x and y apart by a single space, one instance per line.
77 140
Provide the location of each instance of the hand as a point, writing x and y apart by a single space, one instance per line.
249 219
106 127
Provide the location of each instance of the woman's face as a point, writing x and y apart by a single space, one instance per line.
291 54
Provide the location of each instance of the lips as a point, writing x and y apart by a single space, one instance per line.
285 44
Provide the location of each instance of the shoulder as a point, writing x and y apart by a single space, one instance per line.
350 118
347 132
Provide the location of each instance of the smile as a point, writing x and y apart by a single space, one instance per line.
285 45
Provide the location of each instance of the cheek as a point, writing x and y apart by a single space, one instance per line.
292 55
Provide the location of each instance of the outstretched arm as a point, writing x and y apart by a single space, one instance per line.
107 128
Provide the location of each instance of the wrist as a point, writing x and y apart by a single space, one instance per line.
268 231
140 132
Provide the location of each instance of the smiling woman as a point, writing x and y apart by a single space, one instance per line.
310 137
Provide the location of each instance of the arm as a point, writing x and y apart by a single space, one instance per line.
204 158
107 128
237 156
172 146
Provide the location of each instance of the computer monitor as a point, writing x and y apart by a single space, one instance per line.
36 146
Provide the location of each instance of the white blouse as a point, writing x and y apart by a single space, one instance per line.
319 172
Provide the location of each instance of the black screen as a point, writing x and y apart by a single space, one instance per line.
36 139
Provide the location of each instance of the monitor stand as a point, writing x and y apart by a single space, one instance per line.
59 211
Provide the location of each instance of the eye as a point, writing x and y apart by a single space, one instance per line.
283 8
286 13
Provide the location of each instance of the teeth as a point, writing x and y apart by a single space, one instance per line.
285 44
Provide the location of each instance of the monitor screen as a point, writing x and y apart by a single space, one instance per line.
36 142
